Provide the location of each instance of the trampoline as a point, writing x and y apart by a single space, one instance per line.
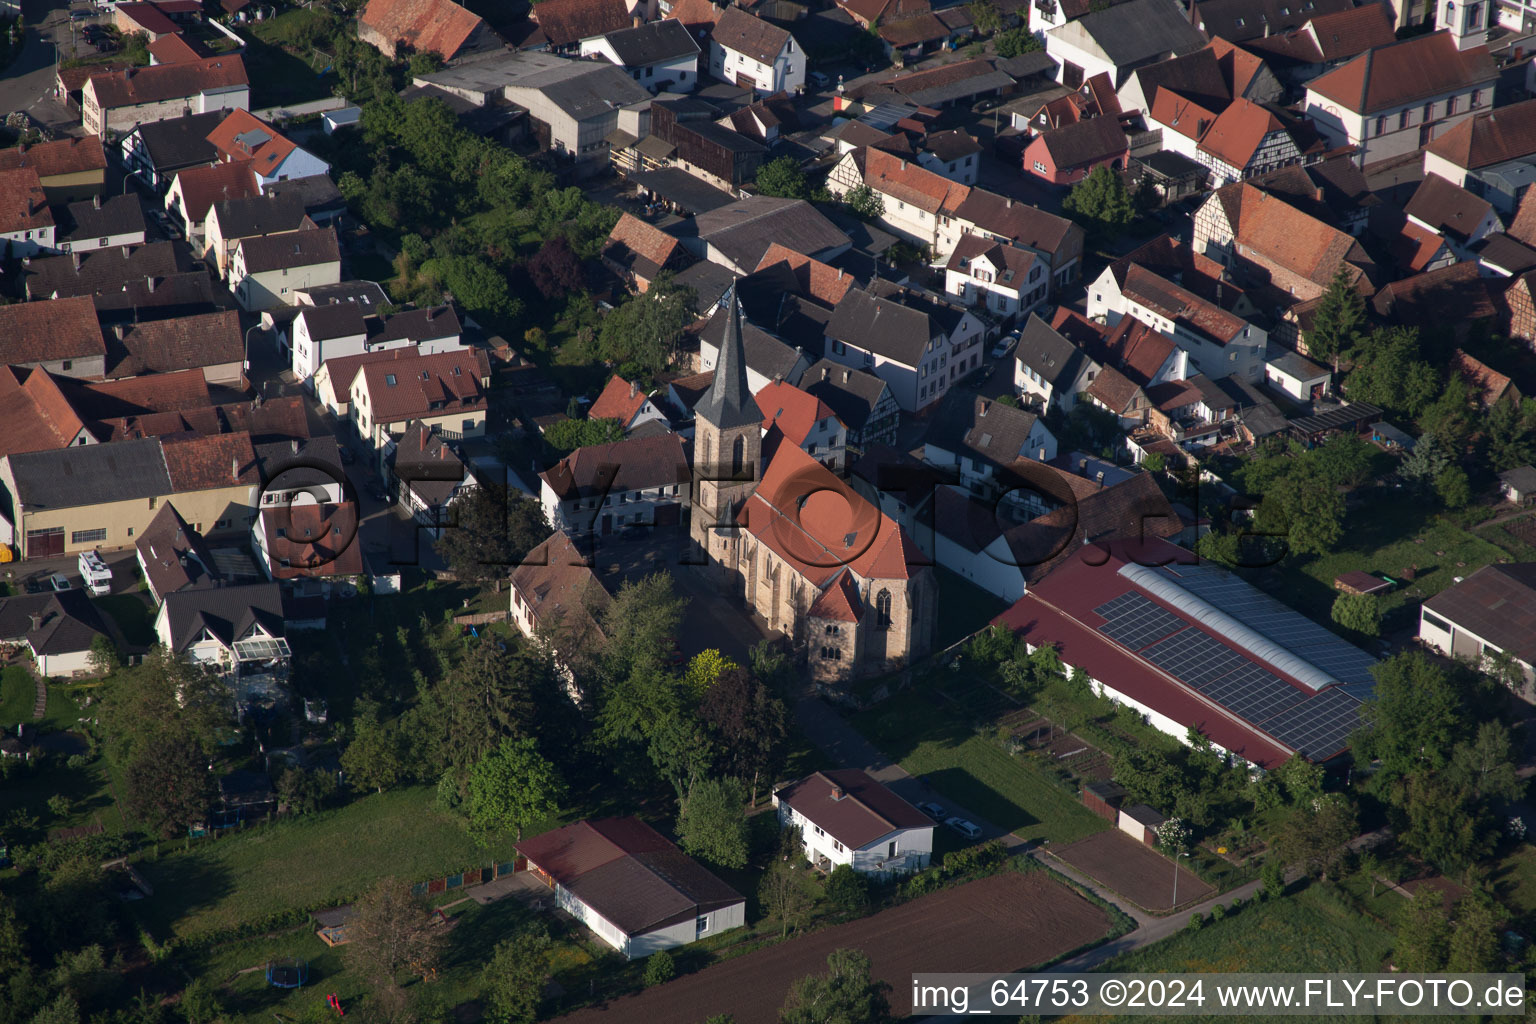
287 972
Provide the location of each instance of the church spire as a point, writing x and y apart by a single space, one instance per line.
728 402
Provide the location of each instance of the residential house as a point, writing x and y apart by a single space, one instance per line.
1118 39
1004 279
26 223
767 120
1049 370
755 54
629 886
918 203
35 414
242 136
715 154
430 476
1218 342
624 402
1518 485
62 336
100 271
918 345
603 488
391 388
236 631
351 328
1055 240
1488 613
1246 22
637 252
309 540
193 192
1456 296
1395 99
982 440
1489 386
1294 375
210 342
560 26
962 83
424 26
662 55
862 402
155 151
1274 246
1453 213
768 358
119 100
264 270
230 220
1492 154
173 556
581 105
1332 190
557 600
70 169
1067 155
954 154
804 420
736 236
1242 141
62 634
846 817
1324 41
97 224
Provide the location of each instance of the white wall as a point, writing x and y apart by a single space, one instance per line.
785 74
582 515
916 842
992 569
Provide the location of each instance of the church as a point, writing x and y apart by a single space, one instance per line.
815 559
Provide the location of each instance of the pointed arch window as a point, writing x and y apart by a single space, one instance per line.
883 610
738 455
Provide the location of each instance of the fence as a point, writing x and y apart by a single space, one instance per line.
481 618
469 876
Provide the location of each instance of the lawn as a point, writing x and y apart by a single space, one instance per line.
17 692
280 76
305 862
133 617
973 770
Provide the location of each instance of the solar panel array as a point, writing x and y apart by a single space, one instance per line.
1285 626
1134 622
1315 724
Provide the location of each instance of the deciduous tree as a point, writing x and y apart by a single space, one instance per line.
492 527
515 977
1423 933
1358 612
513 787
787 893
392 931
1101 202
554 269
864 202
751 724
784 178
1315 836
571 434
167 782
844 995
713 823
375 757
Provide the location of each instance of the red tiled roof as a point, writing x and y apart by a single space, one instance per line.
148 17
793 411
1178 303
1135 349
1078 329
137 86
1490 384
1404 73
696 15
174 49
39 332
1185 116
177 391
1330 37
839 602
620 401
438 26
162 346
911 183
1238 132
34 414
426 386
61 156
1447 295
1268 227
1012 263
1415 248
1489 137
565 22
819 525
262 145
210 462
1113 389
23 204
311 540
1084 142
851 806
1238 66
1447 208
201 187
821 282
561 591
644 240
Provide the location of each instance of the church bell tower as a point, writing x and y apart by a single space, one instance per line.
727 439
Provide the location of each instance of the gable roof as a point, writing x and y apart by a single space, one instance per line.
312 540
173 554
1270 227
942 84
264 214
439 26
417 386
628 465
99 218
1491 385
41 332
882 326
1044 350
641 246
1085 142
1177 303
1010 263
851 807
179 142
91 474
983 427
226 612
23 204
138 86
70 624
564 22
748 34
1448 294
851 394
793 411
59 156
34 413
427 465
180 343
1489 137
910 182
244 136
620 401
651 43
1334 36
98 271
210 462
743 230
822 282
698 16
263 253
627 873
1245 21
201 187
1238 132
1404 73
1135 508
1134 31
1015 220
1498 604
1447 208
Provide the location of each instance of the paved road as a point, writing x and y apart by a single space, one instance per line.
27 84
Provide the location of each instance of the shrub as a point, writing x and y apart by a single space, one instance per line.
1235 905
847 890
1196 922
1218 912
1273 876
659 969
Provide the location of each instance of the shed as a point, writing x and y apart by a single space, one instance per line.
1389 437
1140 822
1519 485
346 117
1104 799
1360 583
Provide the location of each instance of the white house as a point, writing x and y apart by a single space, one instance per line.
430 474
661 55
98 223
623 400
983 439
62 633
26 223
1120 38
846 817
755 54
1459 217
605 487
1295 375
1003 279
265 270
806 421
1050 371
1487 613
557 600
242 137
351 328
1219 343
1396 99
233 630
631 887
916 344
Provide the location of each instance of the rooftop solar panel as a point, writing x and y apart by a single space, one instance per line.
1194 657
1319 726
1133 621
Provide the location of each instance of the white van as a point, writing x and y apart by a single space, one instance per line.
94 571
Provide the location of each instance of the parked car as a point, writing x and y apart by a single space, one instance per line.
59 582
1003 345
933 811
819 80
965 828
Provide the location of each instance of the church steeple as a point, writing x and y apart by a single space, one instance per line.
728 402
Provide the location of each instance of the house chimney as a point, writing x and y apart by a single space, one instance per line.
634 389
96 201
149 282
1042 455
903 165
845 376
119 330
1009 202
76 259
126 251
838 793
638 20
37 621
983 410
431 310
234 467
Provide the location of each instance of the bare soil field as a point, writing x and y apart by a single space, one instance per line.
1133 870
1003 923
